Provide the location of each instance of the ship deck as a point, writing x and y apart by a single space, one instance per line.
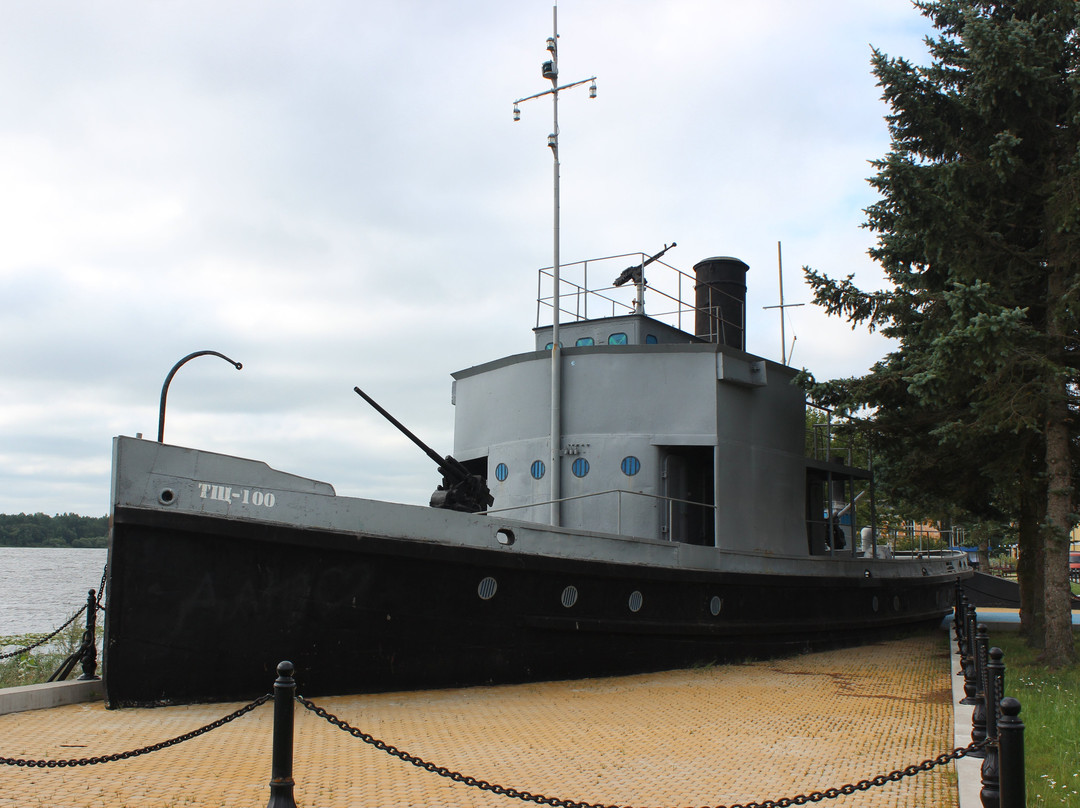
734 733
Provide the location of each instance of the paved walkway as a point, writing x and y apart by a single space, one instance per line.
706 736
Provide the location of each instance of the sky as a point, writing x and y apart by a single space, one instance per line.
334 193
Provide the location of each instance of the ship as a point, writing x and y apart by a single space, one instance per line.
636 493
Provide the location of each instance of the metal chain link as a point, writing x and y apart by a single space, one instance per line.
101 586
187 736
72 619
44 640
784 802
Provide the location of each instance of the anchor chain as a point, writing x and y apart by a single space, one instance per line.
187 736
495 788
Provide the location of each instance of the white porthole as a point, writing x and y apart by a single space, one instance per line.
635 601
715 605
569 596
487 588
505 536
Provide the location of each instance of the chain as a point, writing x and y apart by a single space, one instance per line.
44 640
187 736
101 586
784 802
72 619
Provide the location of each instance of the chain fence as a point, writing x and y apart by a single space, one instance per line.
46 639
540 799
187 736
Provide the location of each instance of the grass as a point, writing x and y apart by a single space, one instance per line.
1050 710
36 666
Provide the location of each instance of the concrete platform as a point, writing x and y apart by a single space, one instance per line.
738 733
47 696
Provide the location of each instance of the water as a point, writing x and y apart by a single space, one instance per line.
43 586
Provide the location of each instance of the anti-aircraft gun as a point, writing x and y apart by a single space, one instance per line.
461 490
637 275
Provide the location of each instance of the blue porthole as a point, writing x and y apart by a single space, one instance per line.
650 339
580 467
537 469
584 342
617 339
631 466
501 472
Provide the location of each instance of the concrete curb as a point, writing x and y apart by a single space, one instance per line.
51 694
968 769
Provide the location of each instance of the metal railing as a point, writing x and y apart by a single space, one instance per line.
670 501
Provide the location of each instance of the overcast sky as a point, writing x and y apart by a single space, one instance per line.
334 193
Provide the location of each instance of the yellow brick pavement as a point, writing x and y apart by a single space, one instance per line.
706 736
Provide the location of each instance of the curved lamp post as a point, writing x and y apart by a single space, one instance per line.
168 381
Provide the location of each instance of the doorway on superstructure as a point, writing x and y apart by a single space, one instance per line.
688 488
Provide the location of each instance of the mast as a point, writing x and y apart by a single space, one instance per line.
784 355
550 70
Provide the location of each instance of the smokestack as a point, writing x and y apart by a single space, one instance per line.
720 299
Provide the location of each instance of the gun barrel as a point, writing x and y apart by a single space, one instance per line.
402 428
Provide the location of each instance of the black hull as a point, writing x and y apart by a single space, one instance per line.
202 608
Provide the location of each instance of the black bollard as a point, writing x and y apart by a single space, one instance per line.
89 640
991 767
970 668
978 715
1011 749
958 616
281 779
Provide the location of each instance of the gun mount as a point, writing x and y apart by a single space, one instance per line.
461 490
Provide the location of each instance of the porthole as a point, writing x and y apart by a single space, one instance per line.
618 338
630 466
550 345
650 339
715 605
580 467
486 588
501 472
896 603
569 596
167 496
635 601
875 605
537 469
584 342
504 536
867 574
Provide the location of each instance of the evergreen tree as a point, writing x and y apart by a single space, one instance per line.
978 231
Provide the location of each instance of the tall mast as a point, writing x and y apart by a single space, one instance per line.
550 70
784 355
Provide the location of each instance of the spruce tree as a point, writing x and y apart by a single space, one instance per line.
978 232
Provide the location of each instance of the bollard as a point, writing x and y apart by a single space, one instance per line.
991 767
89 640
1011 750
281 779
978 715
970 668
958 616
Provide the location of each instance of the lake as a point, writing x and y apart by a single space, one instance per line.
44 586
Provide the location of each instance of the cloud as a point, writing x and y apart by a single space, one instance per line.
335 194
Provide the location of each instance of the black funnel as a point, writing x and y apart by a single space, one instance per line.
720 299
